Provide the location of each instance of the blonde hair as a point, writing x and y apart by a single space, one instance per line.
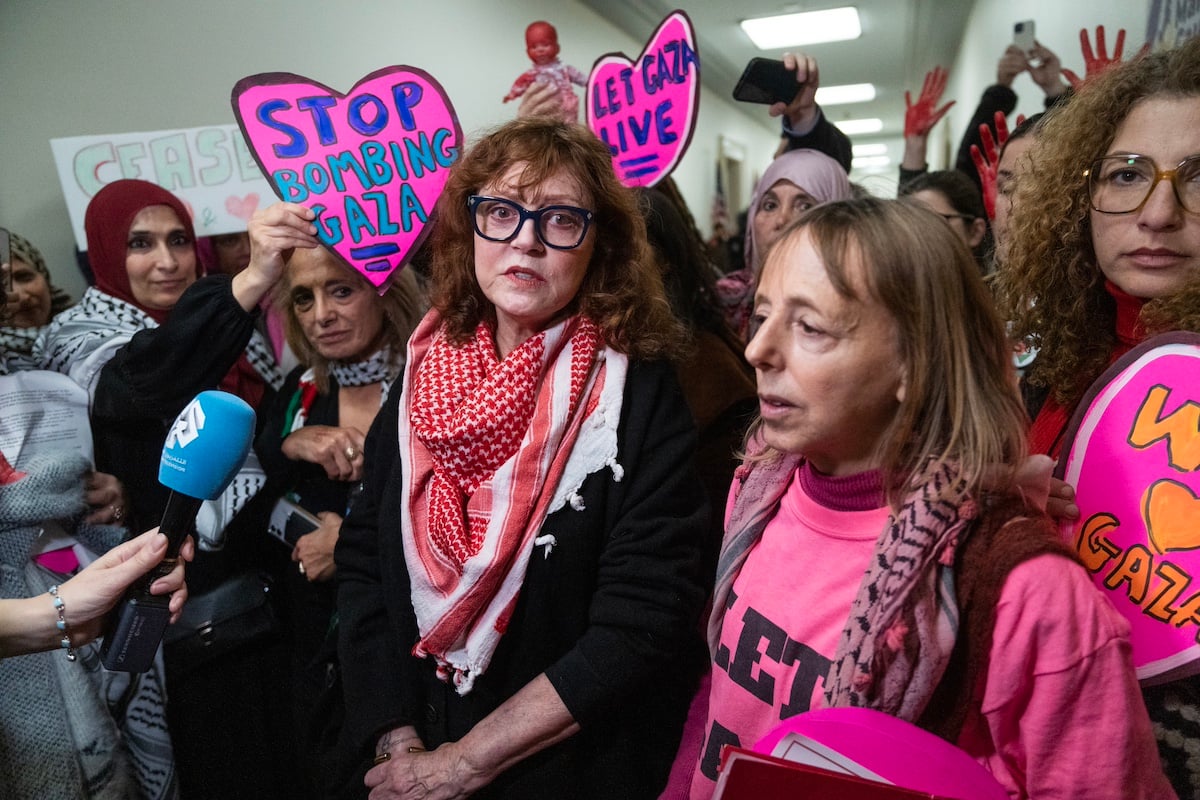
960 398
622 291
1050 285
402 306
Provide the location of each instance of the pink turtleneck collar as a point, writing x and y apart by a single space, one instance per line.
860 492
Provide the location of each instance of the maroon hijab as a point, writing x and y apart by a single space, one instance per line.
107 221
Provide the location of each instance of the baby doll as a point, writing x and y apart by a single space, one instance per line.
541 43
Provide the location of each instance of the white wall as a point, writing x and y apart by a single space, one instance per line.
989 32
79 67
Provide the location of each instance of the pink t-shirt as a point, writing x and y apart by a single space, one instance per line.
789 606
1060 713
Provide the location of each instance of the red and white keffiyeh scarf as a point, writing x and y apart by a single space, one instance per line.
492 447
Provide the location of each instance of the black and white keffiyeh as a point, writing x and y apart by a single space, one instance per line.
82 339
16 349
380 367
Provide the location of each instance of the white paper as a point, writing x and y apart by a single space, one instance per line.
43 413
803 750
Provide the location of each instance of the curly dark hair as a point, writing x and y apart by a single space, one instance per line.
622 291
1050 285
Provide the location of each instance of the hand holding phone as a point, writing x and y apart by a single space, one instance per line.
765 80
289 521
1025 37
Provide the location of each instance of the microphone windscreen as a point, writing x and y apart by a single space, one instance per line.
207 445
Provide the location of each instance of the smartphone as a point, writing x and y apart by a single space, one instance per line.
289 521
1024 36
766 80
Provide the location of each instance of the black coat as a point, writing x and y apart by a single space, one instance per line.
611 616
148 382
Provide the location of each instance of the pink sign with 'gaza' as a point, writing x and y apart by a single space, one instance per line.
1133 456
645 111
371 162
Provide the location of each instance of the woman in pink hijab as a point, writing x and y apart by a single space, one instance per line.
794 182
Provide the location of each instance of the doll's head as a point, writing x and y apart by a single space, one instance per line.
541 43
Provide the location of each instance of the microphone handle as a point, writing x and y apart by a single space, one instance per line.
140 619
178 519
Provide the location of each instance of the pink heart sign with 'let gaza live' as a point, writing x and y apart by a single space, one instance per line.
646 111
371 162
1132 452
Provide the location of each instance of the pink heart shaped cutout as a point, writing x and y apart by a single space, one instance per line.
646 111
371 162
1129 453
242 207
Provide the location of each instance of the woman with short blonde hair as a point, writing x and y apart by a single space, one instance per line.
873 535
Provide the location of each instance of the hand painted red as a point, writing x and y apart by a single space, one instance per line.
920 117
1097 60
987 161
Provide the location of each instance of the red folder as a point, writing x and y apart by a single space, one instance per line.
747 775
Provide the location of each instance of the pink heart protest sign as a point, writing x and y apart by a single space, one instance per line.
646 111
371 162
1133 456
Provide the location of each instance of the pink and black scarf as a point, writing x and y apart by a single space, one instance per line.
904 620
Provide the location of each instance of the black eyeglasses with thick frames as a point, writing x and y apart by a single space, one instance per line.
499 220
1122 184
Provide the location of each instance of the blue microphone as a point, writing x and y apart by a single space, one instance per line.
204 449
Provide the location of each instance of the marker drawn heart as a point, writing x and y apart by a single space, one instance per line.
646 111
1172 516
1121 453
242 207
371 162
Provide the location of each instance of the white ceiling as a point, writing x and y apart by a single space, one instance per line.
901 40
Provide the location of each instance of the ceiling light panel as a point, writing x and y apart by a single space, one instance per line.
809 27
849 93
852 127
